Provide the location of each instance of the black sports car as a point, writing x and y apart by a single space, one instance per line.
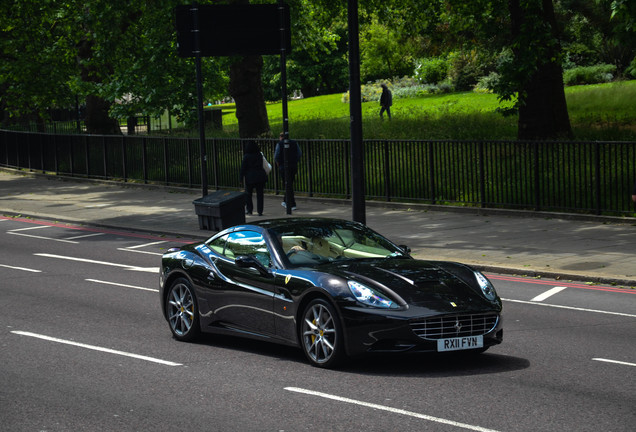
333 287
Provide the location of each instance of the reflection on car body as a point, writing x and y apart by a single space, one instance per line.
334 288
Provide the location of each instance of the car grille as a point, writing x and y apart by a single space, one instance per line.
455 325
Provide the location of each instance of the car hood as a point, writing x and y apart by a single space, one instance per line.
418 283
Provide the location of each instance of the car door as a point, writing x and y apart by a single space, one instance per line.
244 297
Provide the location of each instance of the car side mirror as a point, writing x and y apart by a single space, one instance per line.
406 249
249 261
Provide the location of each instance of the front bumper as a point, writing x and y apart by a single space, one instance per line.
380 331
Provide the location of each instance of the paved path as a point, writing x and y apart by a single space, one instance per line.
523 243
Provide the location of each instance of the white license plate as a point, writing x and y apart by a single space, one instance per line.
460 343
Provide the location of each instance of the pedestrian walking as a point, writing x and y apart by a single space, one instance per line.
294 156
634 193
386 100
254 176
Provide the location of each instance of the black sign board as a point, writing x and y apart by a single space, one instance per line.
226 30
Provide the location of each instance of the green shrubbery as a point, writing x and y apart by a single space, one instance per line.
401 88
431 70
487 84
601 73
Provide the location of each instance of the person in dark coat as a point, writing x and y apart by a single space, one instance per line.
253 173
386 100
294 156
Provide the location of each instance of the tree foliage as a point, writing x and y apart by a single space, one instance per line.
120 57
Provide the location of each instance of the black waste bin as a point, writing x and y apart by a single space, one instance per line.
220 210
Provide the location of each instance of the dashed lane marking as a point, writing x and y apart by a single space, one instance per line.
548 293
96 348
390 409
121 285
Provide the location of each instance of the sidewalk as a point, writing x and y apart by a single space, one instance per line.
556 246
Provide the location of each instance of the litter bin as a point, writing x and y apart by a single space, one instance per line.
220 210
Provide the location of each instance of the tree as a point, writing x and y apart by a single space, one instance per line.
537 75
317 63
384 53
119 58
246 87
34 60
530 63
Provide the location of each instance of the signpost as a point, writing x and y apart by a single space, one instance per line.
224 30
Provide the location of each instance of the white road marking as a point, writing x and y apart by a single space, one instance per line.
124 266
147 244
42 238
570 308
96 348
138 251
389 409
548 293
30 228
85 235
121 285
21 268
614 361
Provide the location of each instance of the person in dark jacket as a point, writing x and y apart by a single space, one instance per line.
253 173
386 100
294 156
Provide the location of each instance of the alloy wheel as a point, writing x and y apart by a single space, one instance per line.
182 311
320 334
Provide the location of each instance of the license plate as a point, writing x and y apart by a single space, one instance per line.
460 343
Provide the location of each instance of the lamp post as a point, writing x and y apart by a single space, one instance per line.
355 112
283 77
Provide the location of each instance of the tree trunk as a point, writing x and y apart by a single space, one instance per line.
543 112
98 120
246 87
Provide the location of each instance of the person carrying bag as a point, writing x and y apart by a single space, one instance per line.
254 174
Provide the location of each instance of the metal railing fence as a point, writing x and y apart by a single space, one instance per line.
561 176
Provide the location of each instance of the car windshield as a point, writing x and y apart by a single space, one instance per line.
316 244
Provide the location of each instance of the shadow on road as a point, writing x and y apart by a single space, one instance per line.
432 365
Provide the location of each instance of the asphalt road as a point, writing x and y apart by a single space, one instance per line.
84 347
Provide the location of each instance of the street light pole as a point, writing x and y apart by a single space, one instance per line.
283 78
355 112
199 78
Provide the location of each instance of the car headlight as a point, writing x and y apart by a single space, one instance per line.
486 286
370 297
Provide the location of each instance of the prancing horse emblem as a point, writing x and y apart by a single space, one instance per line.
457 326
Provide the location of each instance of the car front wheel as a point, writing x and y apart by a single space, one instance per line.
183 314
321 334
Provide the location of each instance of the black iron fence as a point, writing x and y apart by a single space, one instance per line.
139 124
583 177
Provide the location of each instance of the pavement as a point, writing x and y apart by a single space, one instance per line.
550 245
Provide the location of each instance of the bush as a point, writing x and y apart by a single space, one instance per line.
466 67
401 88
601 73
631 69
431 70
487 84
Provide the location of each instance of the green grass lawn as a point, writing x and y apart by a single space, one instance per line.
597 112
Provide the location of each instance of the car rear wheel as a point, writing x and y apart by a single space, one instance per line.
182 310
321 334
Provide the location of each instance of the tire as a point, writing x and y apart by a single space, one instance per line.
321 334
182 311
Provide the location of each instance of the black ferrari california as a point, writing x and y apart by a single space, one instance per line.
334 288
